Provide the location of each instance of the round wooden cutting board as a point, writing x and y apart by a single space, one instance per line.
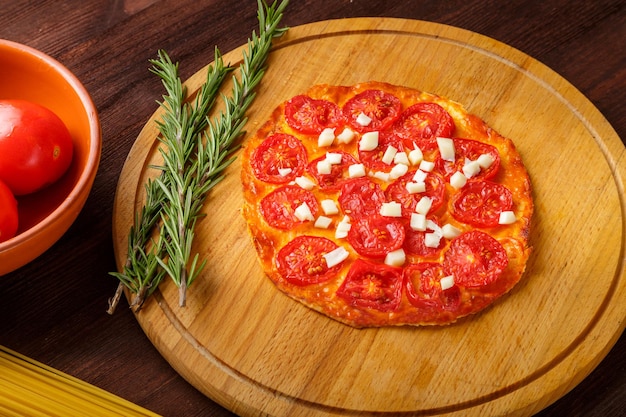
257 352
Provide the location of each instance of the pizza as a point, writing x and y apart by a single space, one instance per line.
382 205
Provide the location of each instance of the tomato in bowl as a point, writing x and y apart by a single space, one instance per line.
45 214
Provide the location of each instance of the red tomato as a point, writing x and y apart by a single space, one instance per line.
8 213
421 124
374 159
35 146
311 116
338 172
435 190
372 285
279 151
383 108
475 259
480 203
301 261
278 207
423 288
361 197
469 149
376 236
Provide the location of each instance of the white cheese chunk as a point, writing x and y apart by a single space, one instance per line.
507 217
356 170
326 138
447 282
458 180
398 170
323 222
345 136
342 229
424 205
391 209
383 176
427 166
395 258
363 119
415 187
416 156
305 183
446 149
389 154
401 158
431 225
333 158
449 231
471 168
369 141
432 240
336 256
283 172
303 213
324 167
420 176
329 207
418 222
485 160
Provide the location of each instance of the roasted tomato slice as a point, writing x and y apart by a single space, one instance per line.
374 159
376 236
435 190
278 207
361 197
338 172
480 203
279 151
467 149
415 244
475 259
301 261
420 124
311 116
423 288
372 285
381 107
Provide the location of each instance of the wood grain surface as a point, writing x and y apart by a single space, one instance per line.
255 351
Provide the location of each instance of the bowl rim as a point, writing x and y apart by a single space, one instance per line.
87 176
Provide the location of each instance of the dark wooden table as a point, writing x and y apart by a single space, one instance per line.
54 309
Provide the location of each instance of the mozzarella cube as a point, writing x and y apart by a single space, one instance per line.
333 158
342 229
383 176
305 183
427 166
446 149
398 170
416 156
447 282
389 154
449 231
303 213
418 222
356 170
471 168
363 119
432 240
323 222
401 158
395 258
458 180
369 141
336 256
485 160
415 187
507 217
326 138
424 205
329 207
323 167
345 136
391 209
420 176
431 225
283 172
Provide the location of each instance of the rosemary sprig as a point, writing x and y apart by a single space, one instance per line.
195 155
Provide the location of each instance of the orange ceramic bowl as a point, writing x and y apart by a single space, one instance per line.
46 215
